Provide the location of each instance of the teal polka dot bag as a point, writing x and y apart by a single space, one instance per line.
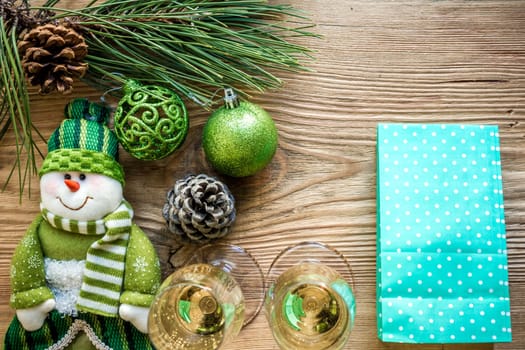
441 246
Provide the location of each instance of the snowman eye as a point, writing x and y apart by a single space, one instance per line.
67 176
82 176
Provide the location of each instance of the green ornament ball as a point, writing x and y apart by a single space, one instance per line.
150 121
239 139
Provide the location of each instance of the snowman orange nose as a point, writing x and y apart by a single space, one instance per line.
73 185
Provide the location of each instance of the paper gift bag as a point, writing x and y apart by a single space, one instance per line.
441 247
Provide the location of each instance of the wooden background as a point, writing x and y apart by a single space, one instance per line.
378 61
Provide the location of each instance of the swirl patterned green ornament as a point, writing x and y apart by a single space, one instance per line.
151 122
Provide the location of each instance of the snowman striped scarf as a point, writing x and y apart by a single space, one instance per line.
105 260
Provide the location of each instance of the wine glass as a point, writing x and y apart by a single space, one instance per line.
204 304
309 301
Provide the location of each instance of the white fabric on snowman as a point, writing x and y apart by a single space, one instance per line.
64 278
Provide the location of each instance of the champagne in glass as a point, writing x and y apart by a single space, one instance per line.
240 265
309 305
198 307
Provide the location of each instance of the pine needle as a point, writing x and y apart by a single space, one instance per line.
15 107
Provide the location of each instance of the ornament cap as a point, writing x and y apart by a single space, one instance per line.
231 100
131 85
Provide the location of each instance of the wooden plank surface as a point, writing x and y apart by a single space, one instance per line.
378 61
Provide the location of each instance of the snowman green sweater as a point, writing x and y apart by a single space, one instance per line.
42 241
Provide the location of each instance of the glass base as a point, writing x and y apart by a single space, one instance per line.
242 267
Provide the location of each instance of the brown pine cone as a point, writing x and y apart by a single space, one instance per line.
199 209
52 56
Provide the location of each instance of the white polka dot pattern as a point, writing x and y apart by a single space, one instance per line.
441 254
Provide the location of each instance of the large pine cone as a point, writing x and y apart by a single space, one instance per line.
52 56
199 209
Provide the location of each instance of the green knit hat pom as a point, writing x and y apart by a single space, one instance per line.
81 108
84 142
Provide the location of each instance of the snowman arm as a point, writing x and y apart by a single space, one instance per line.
142 271
142 280
137 315
33 318
28 281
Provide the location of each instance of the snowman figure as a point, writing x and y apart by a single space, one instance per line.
83 276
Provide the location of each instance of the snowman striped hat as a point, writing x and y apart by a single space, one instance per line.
84 143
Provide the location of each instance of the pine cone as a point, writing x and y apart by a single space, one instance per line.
199 209
52 56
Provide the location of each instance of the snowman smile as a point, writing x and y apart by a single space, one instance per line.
77 208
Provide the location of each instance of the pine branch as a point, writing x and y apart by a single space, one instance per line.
194 47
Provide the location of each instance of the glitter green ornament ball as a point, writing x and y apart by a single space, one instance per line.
240 138
151 122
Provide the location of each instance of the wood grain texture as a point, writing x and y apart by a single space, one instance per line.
378 61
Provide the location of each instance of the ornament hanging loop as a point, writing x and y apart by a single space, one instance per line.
107 92
117 76
209 102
